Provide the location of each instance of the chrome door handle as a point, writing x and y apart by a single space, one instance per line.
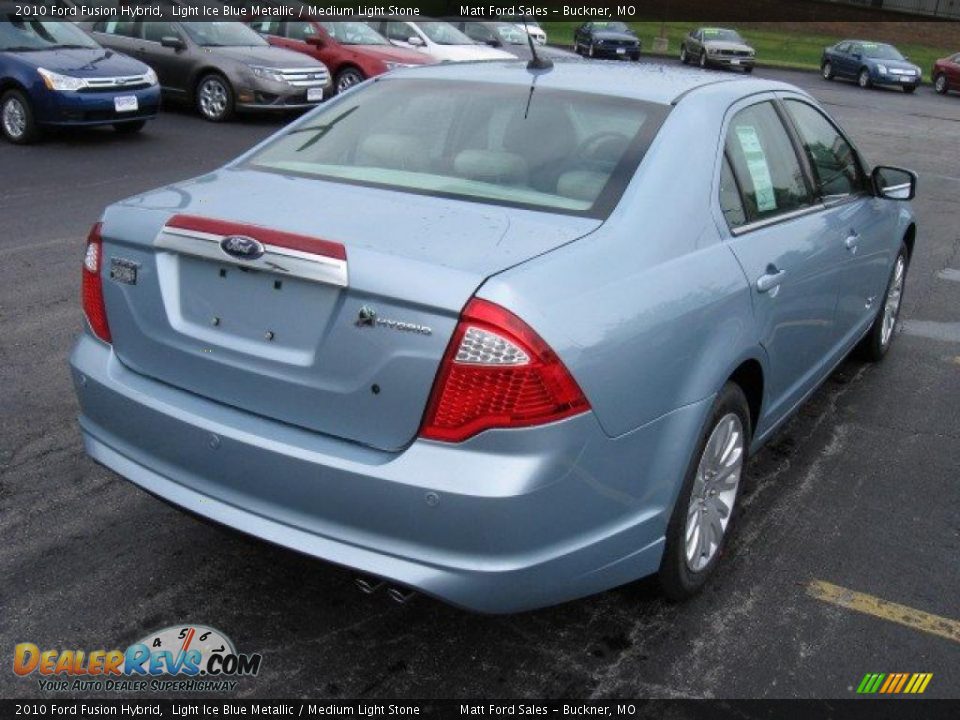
852 242
773 278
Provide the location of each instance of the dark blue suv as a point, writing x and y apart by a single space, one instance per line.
54 74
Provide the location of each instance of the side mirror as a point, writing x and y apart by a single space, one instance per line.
174 43
314 40
894 183
493 42
416 41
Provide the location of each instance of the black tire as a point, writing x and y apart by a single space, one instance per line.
941 84
684 58
130 128
218 110
826 70
703 59
17 121
909 89
347 78
677 580
874 345
863 79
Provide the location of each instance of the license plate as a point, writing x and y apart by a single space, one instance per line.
621 51
734 62
906 78
314 94
126 103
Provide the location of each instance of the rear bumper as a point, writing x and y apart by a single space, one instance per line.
508 521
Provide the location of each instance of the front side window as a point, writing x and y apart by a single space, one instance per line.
301 30
157 31
478 32
399 31
834 162
565 151
765 163
267 28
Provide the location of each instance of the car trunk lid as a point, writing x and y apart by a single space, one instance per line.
339 325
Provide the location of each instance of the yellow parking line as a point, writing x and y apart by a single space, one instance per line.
893 612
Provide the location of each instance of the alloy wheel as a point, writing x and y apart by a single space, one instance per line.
864 79
714 491
891 306
941 84
14 118
213 98
827 71
683 54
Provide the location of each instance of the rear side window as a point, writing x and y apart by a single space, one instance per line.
559 151
765 164
834 162
730 201
124 29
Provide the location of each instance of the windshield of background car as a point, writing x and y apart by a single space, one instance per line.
222 34
612 27
881 52
559 151
35 35
721 35
444 33
353 33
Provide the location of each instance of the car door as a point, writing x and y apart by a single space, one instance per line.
854 217
166 62
779 236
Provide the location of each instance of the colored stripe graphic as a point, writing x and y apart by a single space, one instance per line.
894 683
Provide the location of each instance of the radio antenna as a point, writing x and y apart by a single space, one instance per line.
536 62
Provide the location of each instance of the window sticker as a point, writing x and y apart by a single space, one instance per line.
757 167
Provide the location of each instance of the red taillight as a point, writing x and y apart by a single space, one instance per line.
497 373
93 305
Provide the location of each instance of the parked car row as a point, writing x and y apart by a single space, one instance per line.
108 72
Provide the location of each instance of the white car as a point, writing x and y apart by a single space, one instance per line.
439 40
534 30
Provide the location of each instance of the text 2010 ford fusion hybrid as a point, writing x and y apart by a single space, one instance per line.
467 329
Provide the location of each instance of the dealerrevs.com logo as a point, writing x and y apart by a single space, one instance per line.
189 658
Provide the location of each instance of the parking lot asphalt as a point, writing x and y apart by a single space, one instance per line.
859 491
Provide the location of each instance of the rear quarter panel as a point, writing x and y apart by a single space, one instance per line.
651 312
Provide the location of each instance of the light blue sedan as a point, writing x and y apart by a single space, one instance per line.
503 336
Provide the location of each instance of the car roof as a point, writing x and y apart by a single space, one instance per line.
650 82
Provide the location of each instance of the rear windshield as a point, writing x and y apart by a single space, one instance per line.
560 151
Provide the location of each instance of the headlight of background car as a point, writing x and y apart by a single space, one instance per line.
56 81
150 76
882 68
267 73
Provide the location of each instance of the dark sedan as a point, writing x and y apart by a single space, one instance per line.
870 63
52 74
606 40
220 67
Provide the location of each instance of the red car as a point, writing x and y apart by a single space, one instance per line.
946 74
353 51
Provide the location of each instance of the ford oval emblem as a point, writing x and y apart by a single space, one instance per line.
242 247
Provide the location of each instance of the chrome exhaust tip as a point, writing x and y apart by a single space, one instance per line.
368 586
400 595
